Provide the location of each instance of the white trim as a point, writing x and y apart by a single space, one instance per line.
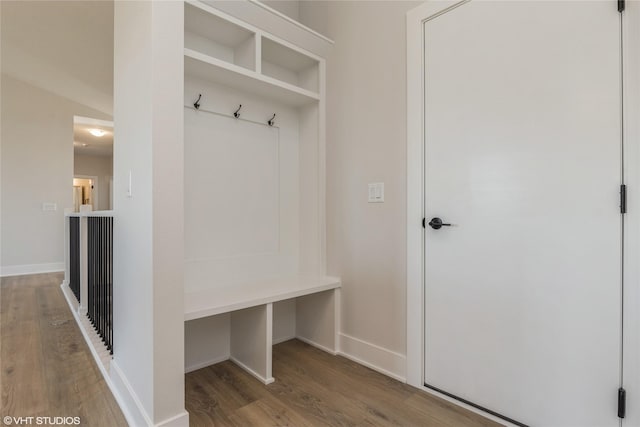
90 213
631 129
21 270
180 420
284 339
94 352
71 298
121 403
291 20
80 120
204 364
262 379
127 398
415 195
316 345
372 356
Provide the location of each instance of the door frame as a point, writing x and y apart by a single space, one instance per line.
415 19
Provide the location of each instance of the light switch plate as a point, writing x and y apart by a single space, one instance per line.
49 206
129 186
376 192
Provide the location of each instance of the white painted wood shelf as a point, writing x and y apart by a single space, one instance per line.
215 70
224 299
226 51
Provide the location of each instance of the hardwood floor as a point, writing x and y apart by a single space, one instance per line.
313 388
46 369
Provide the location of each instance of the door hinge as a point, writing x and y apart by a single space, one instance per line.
621 5
622 402
623 199
424 223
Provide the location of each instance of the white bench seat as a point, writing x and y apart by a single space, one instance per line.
234 297
250 307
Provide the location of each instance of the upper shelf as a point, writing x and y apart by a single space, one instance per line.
217 37
225 50
286 64
213 69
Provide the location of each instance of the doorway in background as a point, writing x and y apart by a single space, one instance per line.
84 192
92 160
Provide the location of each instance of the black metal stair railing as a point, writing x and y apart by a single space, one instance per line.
74 256
100 276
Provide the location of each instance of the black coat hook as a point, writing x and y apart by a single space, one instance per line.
237 112
272 121
197 103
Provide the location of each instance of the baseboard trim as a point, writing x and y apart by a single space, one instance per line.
316 345
127 398
260 378
22 270
131 420
204 364
180 420
71 298
73 306
283 339
372 356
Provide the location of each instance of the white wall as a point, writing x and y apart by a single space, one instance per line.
100 166
291 8
148 365
37 166
366 142
64 47
315 15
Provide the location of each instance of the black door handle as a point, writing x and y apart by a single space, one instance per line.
436 223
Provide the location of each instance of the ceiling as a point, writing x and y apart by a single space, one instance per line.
86 144
65 47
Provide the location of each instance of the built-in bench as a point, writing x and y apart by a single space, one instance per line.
250 305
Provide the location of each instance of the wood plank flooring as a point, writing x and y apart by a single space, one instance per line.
313 388
46 368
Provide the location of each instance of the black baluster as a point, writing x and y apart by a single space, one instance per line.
110 263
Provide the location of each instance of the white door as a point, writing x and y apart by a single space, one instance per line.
522 157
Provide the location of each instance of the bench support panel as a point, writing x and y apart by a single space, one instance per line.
317 319
252 339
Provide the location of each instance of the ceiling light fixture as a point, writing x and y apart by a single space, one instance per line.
97 132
